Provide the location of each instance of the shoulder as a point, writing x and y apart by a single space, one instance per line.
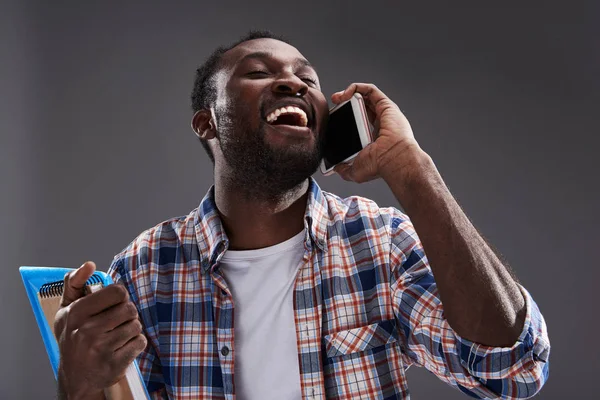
356 220
159 244
353 208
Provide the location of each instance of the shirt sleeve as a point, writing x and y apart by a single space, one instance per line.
515 372
148 360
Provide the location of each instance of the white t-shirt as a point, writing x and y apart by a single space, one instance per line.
266 353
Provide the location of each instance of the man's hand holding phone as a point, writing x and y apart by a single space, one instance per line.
98 335
394 145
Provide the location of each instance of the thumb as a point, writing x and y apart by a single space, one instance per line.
75 282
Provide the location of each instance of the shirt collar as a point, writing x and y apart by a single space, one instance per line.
213 241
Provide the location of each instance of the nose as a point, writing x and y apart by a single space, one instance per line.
290 84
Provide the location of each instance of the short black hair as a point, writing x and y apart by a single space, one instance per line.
204 91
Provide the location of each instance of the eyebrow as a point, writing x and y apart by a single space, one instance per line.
303 62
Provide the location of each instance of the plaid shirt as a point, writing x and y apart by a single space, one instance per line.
366 308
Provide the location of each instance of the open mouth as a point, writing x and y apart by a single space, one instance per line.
290 115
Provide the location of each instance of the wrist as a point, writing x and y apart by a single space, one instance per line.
405 164
68 391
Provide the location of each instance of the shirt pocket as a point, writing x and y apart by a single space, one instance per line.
360 339
364 362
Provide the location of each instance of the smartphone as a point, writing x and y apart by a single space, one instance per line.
348 132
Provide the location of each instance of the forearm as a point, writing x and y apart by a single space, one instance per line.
482 302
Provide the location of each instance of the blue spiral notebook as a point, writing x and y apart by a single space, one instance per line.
44 286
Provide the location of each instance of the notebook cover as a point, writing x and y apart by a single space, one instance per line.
33 279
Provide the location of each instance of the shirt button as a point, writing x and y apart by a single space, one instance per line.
223 292
224 350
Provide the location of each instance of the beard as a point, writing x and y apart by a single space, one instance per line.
258 169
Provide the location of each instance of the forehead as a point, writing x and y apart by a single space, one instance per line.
278 49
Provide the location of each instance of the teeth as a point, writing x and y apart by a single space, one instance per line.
288 110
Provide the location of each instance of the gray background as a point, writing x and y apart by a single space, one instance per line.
95 144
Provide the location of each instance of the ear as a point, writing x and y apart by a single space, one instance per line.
203 125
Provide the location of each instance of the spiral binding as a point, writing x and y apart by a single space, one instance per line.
55 289
95 278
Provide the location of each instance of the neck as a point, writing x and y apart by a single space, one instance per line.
252 221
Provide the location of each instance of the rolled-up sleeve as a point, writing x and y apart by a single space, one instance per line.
515 372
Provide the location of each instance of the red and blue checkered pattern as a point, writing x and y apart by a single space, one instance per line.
366 308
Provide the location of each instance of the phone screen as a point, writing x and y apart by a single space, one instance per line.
341 138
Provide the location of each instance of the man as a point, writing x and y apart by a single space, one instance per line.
274 289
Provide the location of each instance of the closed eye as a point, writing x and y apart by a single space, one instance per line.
260 73
257 73
308 79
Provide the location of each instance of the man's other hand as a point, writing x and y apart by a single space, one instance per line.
98 335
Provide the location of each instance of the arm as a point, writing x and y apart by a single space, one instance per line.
489 338
482 301
512 372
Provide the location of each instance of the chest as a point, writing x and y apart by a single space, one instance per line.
343 316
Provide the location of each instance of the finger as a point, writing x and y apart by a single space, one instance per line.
129 351
344 170
99 301
122 334
112 317
363 168
75 282
374 98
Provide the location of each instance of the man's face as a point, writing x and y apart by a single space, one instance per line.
261 141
